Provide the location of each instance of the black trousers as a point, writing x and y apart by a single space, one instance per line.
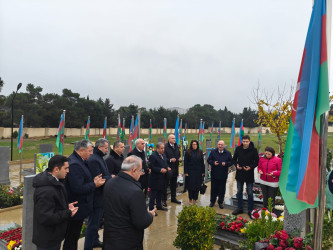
72 234
217 190
155 195
56 247
193 195
268 192
173 186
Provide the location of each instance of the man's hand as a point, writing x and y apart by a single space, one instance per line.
173 159
260 172
186 174
149 170
153 212
163 170
239 168
72 208
223 163
247 168
99 181
216 163
180 159
169 169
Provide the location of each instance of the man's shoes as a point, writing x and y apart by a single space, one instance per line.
162 208
237 211
174 200
98 244
212 204
221 206
164 204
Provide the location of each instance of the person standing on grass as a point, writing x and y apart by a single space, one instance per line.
269 168
194 169
51 208
116 158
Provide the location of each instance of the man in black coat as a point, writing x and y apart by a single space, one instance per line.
97 166
80 187
172 154
51 208
116 158
159 167
139 152
220 160
246 160
125 212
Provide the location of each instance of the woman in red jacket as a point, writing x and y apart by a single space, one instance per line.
269 168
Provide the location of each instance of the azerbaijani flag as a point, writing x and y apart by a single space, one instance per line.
87 135
241 133
184 137
165 134
119 129
150 130
211 132
199 135
300 175
176 131
131 131
104 129
60 136
20 136
259 138
233 132
180 129
135 133
122 137
219 131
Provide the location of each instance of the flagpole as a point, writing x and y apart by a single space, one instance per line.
139 123
21 154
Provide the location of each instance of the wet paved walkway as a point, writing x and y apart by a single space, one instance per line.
161 234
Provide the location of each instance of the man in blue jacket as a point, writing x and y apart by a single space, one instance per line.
80 187
97 166
220 160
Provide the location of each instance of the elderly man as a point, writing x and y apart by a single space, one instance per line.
220 160
159 167
51 208
80 187
139 152
97 166
115 158
125 216
173 158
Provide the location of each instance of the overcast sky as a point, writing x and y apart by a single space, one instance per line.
153 53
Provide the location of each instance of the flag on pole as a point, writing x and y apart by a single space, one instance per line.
180 129
259 138
200 134
60 136
300 175
122 137
184 137
131 131
87 135
176 130
219 131
20 136
119 128
211 132
241 133
203 132
165 134
104 128
135 133
233 132
150 130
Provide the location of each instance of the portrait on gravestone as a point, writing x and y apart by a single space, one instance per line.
150 149
42 160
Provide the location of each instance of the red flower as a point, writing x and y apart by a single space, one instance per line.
264 208
298 242
278 248
308 248
281 235
270 247
256 215
283 243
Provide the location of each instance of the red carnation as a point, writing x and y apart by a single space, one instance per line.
283 243
264 208
256 215
298 242
270 247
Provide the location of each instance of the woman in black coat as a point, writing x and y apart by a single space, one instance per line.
194 169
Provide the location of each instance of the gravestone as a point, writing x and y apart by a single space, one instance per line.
125 142
45 148
4 166
27 213
216 142
126 151
294 222
208 143
160 139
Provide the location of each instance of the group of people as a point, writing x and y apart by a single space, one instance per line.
114 190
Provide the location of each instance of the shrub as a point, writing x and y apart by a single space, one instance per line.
196 226
10 196
15 134
26 136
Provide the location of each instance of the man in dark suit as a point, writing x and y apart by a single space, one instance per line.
139 152
97 166
159 167
172 154
116 158
220 160
125 212
80 187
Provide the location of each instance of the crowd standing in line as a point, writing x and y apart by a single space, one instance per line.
85 186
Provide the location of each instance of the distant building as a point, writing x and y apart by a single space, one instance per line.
180 111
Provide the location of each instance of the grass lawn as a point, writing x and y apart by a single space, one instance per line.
31 146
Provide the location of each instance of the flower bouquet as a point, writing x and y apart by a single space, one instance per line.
12 238
231 223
